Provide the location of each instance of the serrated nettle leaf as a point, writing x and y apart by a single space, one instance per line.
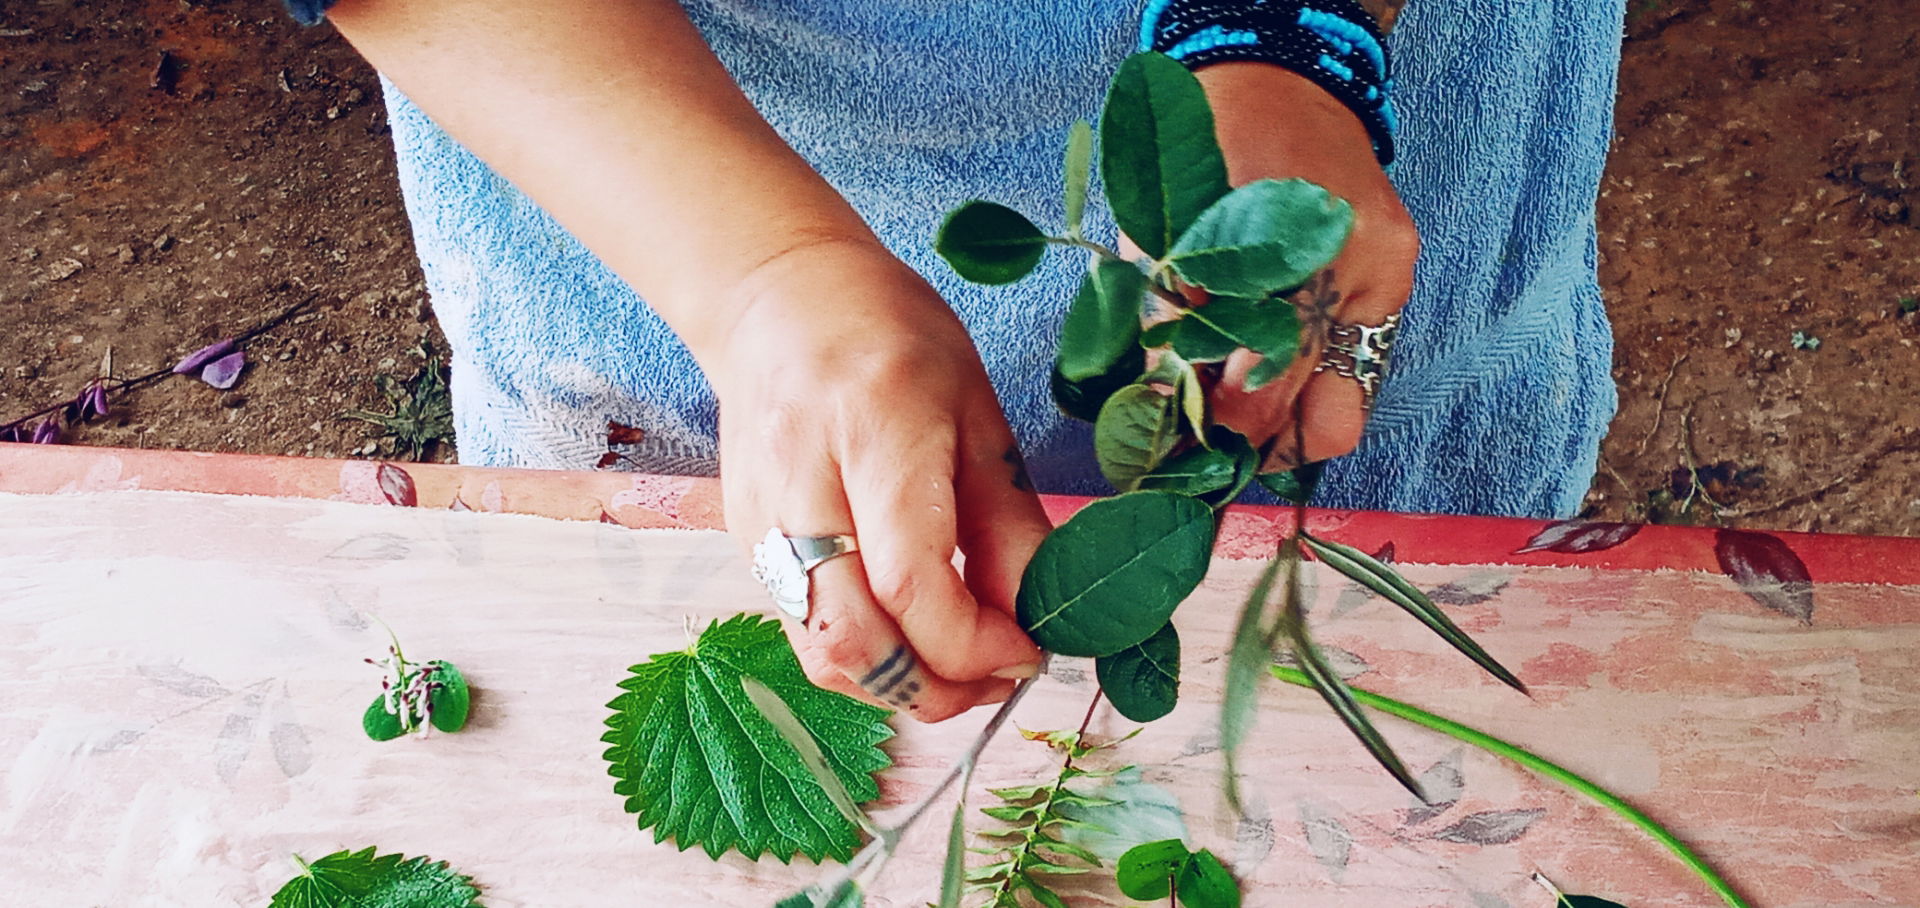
1112 575
1138 427
698 763
1265 237
1077 165
989 243
1143 680
1082 400
359 879
1336 693
1103 323
1205 883
778 714
1295 485
1159 159
1386 582
1147 871
452 699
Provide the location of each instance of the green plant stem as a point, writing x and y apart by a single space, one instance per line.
1100 248
1541 766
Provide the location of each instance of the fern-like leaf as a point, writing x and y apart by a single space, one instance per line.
1028 851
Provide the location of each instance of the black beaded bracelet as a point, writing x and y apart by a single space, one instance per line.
1333 43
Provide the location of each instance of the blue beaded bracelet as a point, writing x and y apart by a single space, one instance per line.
1332 43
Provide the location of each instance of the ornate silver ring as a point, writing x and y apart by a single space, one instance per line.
1360 352
785 564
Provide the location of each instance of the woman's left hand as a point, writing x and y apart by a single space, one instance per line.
1274 123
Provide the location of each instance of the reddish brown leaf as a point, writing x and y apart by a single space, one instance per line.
397 486
608 459
1768 570
608 518
1578 537
619 434
1385 555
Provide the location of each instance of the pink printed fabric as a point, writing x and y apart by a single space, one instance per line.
180 692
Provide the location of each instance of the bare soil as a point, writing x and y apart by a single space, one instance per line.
175 172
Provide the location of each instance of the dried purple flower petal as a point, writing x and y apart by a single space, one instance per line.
199 358
47 433
223 372
99 399
10 433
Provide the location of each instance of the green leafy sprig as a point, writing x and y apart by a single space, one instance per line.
1029 848
1167 870
415 697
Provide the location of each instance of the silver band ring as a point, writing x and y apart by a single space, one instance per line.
785 564
1360 352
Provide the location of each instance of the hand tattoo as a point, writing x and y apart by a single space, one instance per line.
896 679
1021 480
1316 303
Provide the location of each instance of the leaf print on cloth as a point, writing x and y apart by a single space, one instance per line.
1578 537
1327 838
1491 827
1767 570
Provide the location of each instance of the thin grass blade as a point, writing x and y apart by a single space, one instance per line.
1248 657
1387 582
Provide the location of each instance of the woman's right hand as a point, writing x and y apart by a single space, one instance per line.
853 401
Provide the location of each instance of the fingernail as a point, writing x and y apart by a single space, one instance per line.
1017 672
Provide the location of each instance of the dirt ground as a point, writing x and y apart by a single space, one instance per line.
174 172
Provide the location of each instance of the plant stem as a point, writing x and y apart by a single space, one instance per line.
1542 766
1100 248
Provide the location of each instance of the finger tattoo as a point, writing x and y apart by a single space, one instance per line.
898 678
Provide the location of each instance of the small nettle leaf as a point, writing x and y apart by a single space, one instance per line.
1113 574
1159 159
1082 400
989 243
1138 427
1265 237
359 879
1147 871
1077 165
1143 680
699 764
1103 323
1205 883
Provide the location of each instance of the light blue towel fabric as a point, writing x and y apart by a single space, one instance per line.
1501 387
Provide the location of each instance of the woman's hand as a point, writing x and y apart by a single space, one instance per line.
852 401
1274 123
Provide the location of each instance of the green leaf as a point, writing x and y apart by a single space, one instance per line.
1082 400
1387 582
1158 156
780 715
1295 485
379 724
1265 237
989 243
452 700
699 764
1195 472
1193 400
1143 680
1103 324
1112 575
1250 651
1146 872
1335 691
358 879
953 870
1138 427
1046 897
845 895
1205 883
1194 340
1078 165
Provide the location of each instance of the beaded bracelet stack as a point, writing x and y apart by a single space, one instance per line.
1334 43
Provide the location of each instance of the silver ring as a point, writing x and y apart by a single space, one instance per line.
785 564
1360 352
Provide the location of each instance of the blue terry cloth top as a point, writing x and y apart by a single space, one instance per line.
1501 385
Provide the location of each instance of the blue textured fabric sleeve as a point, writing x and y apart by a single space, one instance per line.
308 12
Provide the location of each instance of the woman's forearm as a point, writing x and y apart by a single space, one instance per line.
616 118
